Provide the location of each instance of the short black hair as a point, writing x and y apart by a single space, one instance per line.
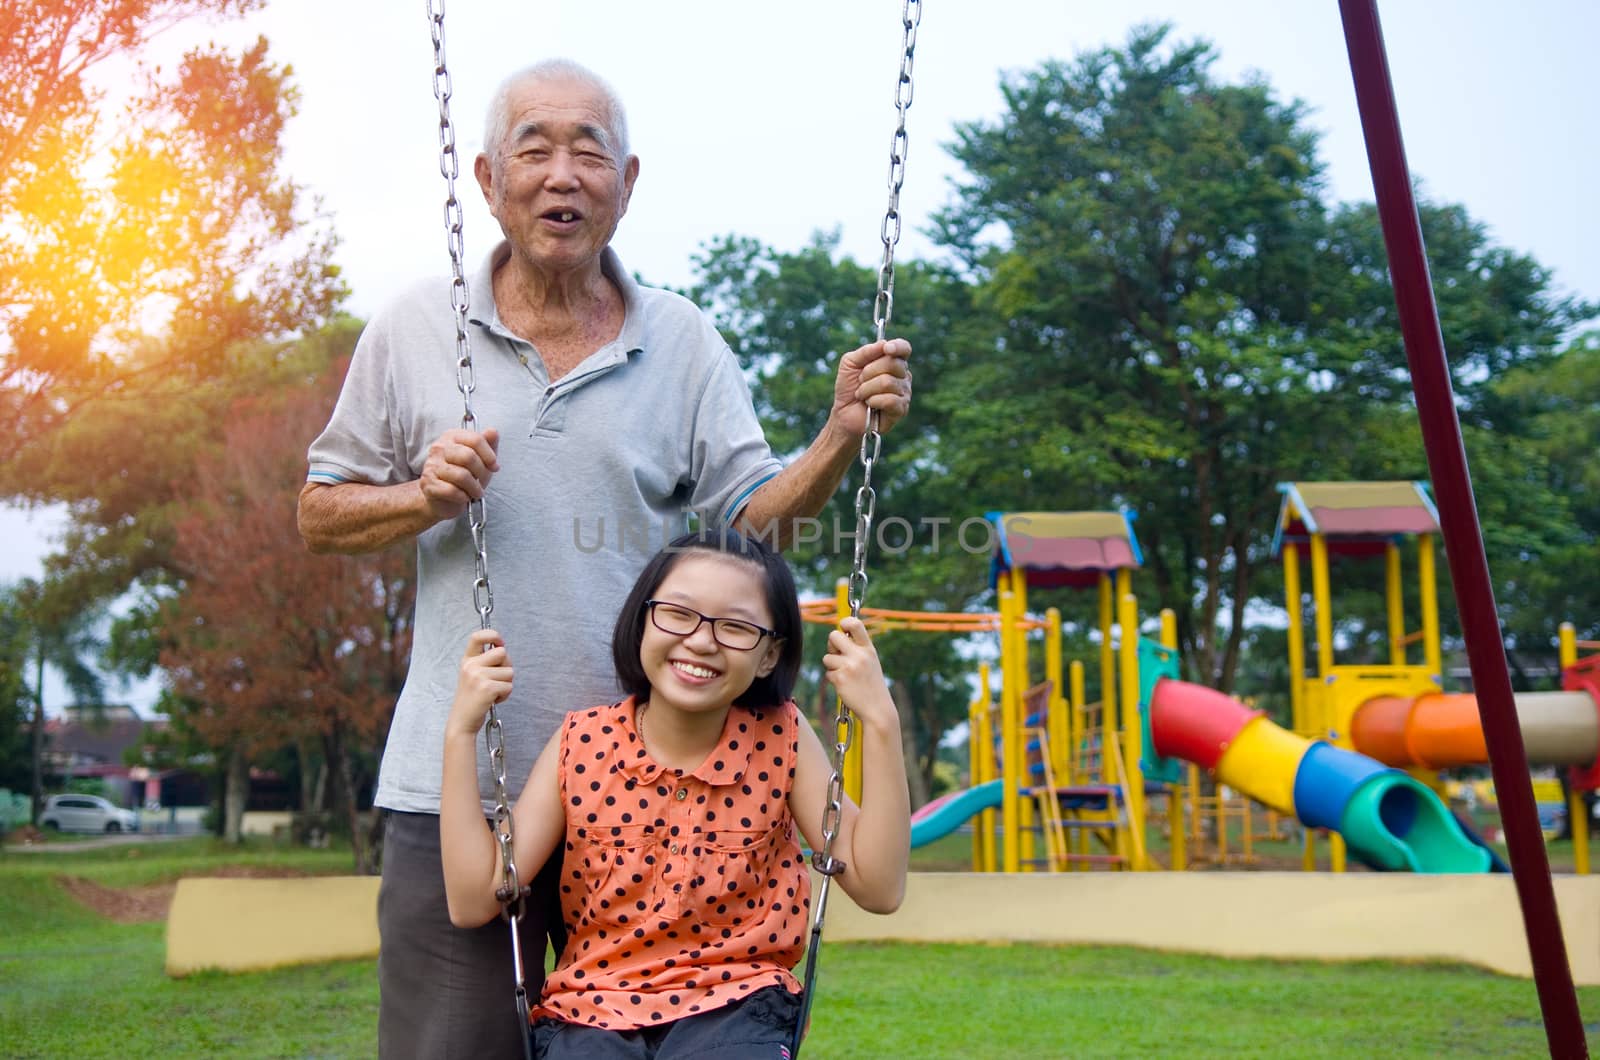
783 601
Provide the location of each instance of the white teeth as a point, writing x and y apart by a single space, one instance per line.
695 671
567 216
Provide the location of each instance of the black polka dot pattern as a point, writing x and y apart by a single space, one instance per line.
681 891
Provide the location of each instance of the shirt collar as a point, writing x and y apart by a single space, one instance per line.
485 314
726 763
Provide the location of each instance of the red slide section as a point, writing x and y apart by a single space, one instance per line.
1195 723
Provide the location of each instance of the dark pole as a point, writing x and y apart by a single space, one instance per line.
1458 518
38 733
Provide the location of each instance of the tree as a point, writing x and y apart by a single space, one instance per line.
1186 321
1546 494
1147 302
42 628
789 317
16 697
1498 310
1152 292
266 642
141 241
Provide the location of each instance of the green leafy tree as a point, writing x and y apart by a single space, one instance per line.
16 697
789 317
54 632
1499 310
1184 322
1546 495
1147 301
1149 240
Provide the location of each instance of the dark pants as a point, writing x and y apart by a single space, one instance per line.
446 991
759 1026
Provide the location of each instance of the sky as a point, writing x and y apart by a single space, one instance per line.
774 120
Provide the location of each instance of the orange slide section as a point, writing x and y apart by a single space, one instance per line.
1439 731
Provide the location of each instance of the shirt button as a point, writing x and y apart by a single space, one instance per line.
681 794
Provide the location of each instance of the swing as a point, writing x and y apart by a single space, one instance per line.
866 500
512 892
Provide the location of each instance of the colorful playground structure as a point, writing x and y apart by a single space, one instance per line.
1060 783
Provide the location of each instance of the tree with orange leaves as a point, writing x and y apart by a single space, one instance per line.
143 241
268 644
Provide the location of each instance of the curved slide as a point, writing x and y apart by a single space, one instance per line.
949 812
1389 819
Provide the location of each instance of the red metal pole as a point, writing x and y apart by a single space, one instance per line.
1458 518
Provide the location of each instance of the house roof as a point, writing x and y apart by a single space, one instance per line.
84 737
1063 548
1355 518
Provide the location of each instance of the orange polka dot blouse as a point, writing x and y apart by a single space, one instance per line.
682 891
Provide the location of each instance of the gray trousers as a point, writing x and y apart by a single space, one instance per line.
446 991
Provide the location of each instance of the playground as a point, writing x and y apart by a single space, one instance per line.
1363 762
1386 852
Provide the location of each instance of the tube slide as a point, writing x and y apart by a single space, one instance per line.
1389 819
1438 731
947 813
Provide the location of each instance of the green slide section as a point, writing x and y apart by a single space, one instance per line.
1394 822
1156 662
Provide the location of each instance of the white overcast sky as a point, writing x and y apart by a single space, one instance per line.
773 120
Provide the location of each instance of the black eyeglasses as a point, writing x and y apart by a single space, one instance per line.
732 633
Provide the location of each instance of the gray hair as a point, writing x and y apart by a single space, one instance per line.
499 121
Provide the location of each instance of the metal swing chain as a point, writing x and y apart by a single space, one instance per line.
866 502
511 893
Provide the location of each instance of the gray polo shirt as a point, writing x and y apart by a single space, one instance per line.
597 472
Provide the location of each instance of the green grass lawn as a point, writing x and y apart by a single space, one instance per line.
74 984
948 853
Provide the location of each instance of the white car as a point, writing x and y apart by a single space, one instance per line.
86 813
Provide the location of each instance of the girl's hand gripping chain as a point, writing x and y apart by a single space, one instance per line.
485 680
854 671
874 839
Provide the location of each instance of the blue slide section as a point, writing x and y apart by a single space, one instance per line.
956 811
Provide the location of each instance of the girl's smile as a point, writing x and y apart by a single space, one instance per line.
695 673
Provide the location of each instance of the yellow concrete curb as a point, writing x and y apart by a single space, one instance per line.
1291 915
239 925
244 924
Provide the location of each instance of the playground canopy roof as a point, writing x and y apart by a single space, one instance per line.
1063 548
1355 518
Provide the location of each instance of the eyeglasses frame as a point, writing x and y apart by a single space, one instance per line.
651 605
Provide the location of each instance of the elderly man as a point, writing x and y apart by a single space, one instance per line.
610 410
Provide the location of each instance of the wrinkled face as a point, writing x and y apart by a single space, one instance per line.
694 673
554 182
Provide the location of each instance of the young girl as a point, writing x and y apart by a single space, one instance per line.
683 887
